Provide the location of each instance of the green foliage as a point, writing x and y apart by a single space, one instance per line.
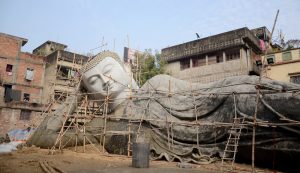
149 66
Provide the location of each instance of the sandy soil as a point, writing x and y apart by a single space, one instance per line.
30 160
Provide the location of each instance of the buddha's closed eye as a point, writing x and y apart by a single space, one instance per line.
92 80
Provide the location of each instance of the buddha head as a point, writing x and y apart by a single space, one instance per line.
105 75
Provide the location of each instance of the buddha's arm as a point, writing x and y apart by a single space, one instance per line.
69 106
46 133
56 119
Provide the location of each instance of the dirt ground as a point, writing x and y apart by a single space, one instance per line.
32 159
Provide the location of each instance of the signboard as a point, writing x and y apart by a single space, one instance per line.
129 55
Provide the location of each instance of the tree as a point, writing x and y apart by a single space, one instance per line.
149 65
291 44
286 45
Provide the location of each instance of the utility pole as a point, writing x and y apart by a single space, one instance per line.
274 24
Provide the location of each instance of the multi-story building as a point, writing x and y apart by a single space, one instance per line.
61 73
212 58
284 65
22 79
48 47
29 82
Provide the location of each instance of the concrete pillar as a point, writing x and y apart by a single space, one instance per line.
15 69
191 62
248 59
206 58
224 56
241 53
241 60
43 83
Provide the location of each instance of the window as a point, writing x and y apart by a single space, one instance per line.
232 54
65 73
295 79
184 64
258 62
59 96
212 59
199 61
25 114
286 56
26 97
219 59
9 68
271 59
11 94
29 74
8 93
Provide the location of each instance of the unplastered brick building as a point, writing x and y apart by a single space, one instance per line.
21 89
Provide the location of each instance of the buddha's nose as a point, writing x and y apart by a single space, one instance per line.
105 86
104 78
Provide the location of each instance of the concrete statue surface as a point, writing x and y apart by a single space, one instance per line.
106 75
183 121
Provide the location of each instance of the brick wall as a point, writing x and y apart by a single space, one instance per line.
9 47
4 76
10 119
9 50
35 93
34 62
10 53
33 87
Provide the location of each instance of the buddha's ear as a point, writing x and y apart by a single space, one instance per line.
82 87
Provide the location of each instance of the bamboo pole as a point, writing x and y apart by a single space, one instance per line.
105 119
129 131
84 120
195 112
129 121
254 132
76 131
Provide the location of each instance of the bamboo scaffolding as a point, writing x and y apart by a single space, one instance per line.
88 115
78 122
129 123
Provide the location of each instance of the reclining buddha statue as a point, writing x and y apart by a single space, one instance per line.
184 121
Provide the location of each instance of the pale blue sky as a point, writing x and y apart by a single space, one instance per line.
154 24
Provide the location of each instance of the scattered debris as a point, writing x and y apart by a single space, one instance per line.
4 139
185 165
9 147
20 134
50 168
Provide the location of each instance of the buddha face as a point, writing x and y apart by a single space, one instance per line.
107 77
